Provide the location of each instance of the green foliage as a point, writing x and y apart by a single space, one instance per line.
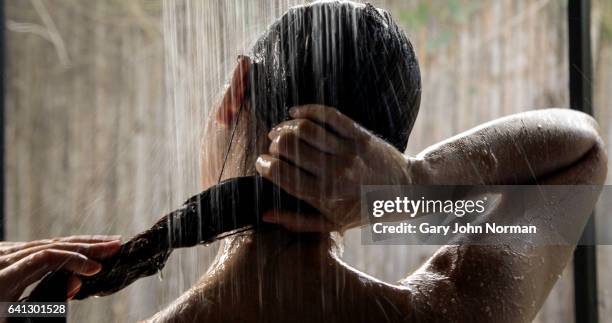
439 18
440 39
418 17
606 21
460 11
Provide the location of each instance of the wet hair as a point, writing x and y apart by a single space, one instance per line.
342 54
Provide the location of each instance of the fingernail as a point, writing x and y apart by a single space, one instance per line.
272 134
262 162
111 238
92 268
292 111
116 244
110 242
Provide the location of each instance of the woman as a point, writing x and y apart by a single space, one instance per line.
352 79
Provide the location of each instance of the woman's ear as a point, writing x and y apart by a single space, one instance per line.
234 96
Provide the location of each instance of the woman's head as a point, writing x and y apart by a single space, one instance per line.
337 53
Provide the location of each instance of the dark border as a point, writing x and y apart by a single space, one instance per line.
2 99
581 94
581 98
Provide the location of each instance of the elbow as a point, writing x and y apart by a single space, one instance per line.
597 156
585 144
583 126
590 169
573 130
594 162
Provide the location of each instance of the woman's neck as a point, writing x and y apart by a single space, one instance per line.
276 246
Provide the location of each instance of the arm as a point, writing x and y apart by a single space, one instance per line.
522 148
553 147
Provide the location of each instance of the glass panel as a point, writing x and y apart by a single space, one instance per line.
88 145
105 103
601 32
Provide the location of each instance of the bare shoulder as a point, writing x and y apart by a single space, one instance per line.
485 283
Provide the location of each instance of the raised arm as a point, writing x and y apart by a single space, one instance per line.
522 148
502 283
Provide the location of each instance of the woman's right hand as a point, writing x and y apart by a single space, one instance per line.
323 157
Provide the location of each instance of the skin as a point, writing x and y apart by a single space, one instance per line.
24 263
283 275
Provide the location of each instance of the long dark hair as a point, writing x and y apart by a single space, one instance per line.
342 54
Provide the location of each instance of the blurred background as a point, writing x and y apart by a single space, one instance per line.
106 102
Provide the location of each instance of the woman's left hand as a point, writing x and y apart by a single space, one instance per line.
24 263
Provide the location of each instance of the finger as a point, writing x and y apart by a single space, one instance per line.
74 285
314 135
290 178
7 247
16 246
337 121
299 222
8 244
303 155
91 250
90 238
32 268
